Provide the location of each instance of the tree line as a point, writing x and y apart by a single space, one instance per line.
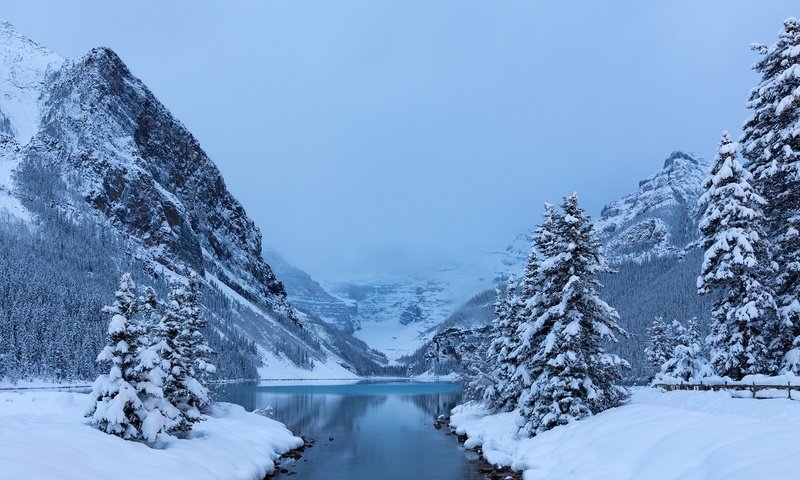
544 353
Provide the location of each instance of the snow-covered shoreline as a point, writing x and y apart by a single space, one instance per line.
44 385
684 434
45 435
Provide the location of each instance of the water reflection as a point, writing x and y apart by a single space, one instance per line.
379 430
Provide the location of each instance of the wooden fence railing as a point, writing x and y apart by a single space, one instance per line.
754 388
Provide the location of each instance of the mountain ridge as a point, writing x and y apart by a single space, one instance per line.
107 156
649 237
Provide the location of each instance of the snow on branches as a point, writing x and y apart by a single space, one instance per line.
736 267
158 365
771 144
572 374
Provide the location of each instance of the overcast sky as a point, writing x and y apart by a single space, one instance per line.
380 136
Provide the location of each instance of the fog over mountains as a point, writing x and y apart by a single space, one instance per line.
100 178
649 237
96 170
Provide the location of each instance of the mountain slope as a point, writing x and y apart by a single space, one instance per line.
308 295
104 154
649 237
398 315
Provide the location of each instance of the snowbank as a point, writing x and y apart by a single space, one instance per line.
787 380
44 384
44 435
677 435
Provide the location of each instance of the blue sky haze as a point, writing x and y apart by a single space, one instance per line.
379 136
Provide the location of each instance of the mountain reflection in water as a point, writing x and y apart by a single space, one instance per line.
380 430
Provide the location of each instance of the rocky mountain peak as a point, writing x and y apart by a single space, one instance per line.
682 156
660 216
93 123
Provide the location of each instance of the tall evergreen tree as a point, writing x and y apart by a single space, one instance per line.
130 401
660 343
686 361
575 376
172 346
501 396
151 371
185 354
200 366
532 330
736 267
118 409
771 143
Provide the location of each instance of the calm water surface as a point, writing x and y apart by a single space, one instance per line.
380 430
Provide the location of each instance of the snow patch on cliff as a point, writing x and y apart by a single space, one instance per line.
25 67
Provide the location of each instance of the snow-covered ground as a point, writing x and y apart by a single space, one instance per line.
280 369
430 377
43 435
393 338
676 435
43 384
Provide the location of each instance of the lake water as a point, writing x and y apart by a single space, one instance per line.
380 430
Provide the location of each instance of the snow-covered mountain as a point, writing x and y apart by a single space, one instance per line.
649 237
660 217
22 78
392 316
308 295
83 141
657 220
395 315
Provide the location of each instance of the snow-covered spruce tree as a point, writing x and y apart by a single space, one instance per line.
736 266
771 144
575 376
200 366
467 347
520 302
660 343
118 409
686 361
500 396
184 352
173 345
534 327
532 330
151 371
130 401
